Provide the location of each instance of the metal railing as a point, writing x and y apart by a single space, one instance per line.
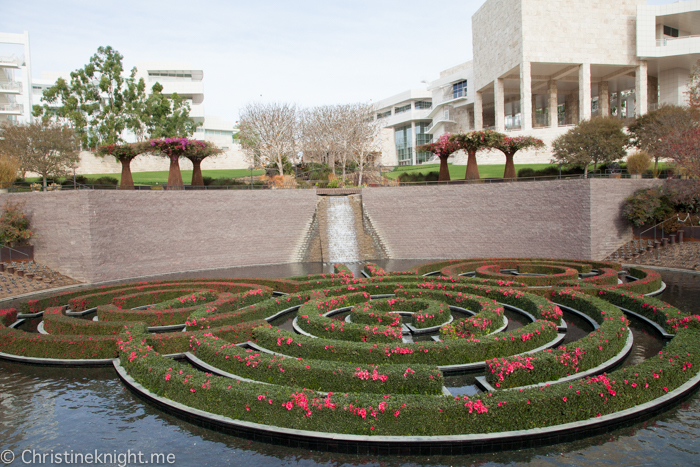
11 86
11 107
19 61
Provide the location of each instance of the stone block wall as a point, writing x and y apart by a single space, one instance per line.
563 219
98 235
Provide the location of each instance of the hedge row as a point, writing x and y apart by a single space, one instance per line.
56 323
582 355
558 275
310 318
649 281
452 352
413 415
179 342
669 317
318 375
454 267
8 316
538 306
260 310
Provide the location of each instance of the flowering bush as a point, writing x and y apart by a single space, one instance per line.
318 375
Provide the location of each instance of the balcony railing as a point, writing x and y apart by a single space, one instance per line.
664 41
12 86
11 60
11 108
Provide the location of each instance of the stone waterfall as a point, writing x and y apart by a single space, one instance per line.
342 235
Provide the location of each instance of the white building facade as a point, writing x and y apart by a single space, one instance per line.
15 78
540 67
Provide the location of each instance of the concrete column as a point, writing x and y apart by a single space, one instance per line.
640 87
413 144
604 99
499 104
553 104
584 91
526 105
478 112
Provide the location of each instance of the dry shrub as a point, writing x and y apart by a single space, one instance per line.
9 167
638 163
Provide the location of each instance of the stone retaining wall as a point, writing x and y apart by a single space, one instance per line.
95 235
556 219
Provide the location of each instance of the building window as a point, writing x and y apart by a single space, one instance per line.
404 144
423 105
423 138
669 31
459 89
384 114
402 109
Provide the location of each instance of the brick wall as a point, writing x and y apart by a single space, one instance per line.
564 219
95 236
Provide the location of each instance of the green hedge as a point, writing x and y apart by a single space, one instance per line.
8 316
592 350
179 342
414 415
649 281
55 322
451 352
318 375
310 318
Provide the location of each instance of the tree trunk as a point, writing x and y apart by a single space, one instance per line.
362 166
127 181
197 179
509 173
472 168
174 175
585 171
444 175
656 167
44 178
280 165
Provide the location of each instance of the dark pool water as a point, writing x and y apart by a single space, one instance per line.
84 410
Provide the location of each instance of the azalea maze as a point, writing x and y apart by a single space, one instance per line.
344 363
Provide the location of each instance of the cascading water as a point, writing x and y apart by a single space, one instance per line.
342 237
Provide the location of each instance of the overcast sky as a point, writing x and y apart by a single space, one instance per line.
310 52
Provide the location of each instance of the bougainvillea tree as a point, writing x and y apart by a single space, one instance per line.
473 141
174 149
442 148
196 153
124 154
509 146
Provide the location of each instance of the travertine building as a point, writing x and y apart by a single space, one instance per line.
540 66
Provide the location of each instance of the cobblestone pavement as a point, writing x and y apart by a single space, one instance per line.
18 278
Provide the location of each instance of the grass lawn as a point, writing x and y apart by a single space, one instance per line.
145 178
457 171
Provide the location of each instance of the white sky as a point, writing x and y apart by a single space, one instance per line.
310 52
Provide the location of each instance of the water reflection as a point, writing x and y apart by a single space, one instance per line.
88 409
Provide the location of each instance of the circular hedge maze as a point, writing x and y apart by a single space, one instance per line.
351 364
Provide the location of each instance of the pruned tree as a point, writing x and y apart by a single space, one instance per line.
174 149
509 146
45 148
9 168
269 133
98 101
595 141
196 153
471 143
124 154
655 131
443 148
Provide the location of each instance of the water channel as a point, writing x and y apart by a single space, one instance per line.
83 410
